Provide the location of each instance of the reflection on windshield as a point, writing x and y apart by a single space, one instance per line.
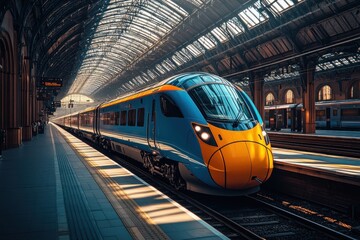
220 102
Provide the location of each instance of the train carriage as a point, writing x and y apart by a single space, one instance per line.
197 130
338 115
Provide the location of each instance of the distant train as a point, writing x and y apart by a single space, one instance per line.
197 130
339 115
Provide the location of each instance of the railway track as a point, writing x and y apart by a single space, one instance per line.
237 217
241 217
342 146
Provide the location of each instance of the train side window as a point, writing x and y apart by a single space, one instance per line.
140 117
111 118
132 117
103 118
117 118
123 116
169 108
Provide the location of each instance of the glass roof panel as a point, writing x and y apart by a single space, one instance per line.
219 34
198 3
234 27
207 41
186 54
252 16
160 68
279 6
194 50
168 65
344 61
151 74
125 32
177 60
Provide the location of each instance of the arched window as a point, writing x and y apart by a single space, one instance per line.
324 93
354 90
289 96
270 99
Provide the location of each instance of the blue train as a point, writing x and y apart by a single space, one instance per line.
337 115
197 130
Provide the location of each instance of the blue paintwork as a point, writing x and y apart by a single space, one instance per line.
175 137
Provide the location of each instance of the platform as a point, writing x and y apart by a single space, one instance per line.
323 164
323 132
57 187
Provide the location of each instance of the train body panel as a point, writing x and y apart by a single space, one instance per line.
246 158
197 130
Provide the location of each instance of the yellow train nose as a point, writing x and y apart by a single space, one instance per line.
241 165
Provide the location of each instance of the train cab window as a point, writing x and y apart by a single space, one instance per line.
220 102
132 117
169 108
140 117
123 116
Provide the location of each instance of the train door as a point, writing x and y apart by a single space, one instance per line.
151 130
96 120
328 122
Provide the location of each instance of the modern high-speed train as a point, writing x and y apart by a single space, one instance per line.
197 130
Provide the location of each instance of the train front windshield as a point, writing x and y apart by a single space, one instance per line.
221 103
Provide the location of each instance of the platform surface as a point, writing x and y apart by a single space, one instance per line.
330 163
322 132
57 187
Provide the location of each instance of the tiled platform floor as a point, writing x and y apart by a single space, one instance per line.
48 192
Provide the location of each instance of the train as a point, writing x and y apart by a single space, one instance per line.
197 130
335 115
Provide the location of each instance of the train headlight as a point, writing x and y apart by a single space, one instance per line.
204 134
197 128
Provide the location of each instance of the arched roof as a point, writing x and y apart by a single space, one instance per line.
106 48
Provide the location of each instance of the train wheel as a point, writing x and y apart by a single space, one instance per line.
172 173
147 163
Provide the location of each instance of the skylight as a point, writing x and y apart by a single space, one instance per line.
126 30
252 16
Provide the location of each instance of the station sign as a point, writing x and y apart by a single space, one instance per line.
51 82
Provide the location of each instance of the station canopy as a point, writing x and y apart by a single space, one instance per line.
127 30
104 49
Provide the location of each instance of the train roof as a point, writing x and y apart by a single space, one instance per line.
181 81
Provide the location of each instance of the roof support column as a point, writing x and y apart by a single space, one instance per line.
307 74
258 93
